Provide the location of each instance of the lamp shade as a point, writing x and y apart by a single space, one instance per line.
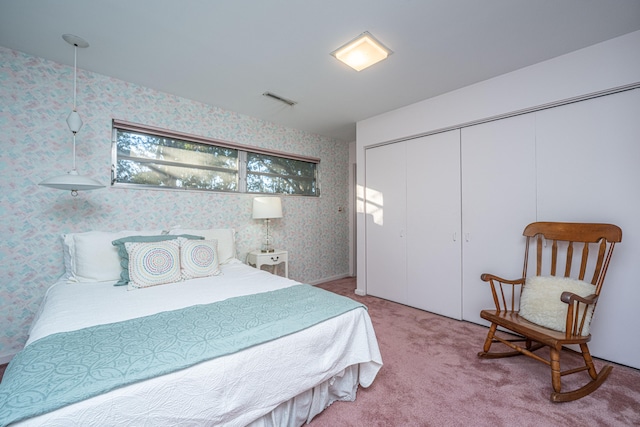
72 182
267 207
362 52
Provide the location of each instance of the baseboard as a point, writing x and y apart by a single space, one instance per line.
328 279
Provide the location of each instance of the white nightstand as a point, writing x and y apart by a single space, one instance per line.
257 259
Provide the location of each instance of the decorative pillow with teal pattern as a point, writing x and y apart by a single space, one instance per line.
124 256
198 258
153 263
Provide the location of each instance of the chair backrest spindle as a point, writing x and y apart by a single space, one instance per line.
539 256
585 257
601 249
569 261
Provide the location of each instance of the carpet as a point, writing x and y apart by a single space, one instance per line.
432 377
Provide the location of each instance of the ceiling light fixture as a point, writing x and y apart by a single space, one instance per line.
362 52
72 181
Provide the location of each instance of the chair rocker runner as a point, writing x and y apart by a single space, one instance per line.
553 308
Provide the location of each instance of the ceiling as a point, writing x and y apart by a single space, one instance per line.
227 53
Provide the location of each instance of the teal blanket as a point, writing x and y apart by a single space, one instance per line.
68 367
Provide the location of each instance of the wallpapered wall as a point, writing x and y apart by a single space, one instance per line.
35 99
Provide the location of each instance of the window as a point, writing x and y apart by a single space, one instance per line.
273 174
164 162
146 156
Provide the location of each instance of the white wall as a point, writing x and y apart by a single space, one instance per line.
607 65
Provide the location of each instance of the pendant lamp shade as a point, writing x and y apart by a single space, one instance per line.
72 181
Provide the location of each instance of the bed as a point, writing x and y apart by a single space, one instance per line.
284 380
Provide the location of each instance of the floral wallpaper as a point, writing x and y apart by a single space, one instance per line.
36 96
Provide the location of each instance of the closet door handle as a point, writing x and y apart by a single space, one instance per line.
467 237
455 237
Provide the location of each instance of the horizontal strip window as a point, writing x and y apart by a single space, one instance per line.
272 174
152 157
136 127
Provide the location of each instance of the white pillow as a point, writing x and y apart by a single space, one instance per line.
153 263
198 258
540 301
67 249
224 236
90 256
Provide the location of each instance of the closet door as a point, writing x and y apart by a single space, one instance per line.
385 207
433 224
498 201
589 171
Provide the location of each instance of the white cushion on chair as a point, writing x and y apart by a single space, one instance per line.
540 301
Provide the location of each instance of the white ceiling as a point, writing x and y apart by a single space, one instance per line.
228 52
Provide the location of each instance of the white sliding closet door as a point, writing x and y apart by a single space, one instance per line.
498 201
589 171
385 207
433 224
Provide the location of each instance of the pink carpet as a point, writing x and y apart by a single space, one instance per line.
432 377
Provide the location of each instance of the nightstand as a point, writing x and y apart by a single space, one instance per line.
276 258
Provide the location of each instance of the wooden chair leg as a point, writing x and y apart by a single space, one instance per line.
554 358
588 361
490 335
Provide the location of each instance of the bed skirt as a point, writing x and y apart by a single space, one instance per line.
301 409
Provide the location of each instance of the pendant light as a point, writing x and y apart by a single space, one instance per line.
72 181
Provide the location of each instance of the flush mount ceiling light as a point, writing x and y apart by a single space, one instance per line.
362 52
72 181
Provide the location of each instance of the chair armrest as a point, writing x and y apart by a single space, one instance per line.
486 277
577 316
504 301
568 298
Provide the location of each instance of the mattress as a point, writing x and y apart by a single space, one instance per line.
328 360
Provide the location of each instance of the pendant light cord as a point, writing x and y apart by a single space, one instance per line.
75 75
75 79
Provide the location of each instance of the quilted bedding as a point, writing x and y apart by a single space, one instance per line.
234 389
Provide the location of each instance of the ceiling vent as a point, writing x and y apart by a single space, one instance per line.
280 98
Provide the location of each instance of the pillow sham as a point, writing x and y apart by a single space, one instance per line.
153 263
540 301
198 258
124 255
90 256
224 236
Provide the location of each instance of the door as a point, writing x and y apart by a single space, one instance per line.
498 201
385 224
588 161
433 224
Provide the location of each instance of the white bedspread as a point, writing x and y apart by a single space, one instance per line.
232 390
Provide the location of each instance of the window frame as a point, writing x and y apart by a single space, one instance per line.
242 150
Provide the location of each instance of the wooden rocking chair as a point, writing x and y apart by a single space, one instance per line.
554 247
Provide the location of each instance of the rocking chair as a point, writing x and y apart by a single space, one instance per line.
554 308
